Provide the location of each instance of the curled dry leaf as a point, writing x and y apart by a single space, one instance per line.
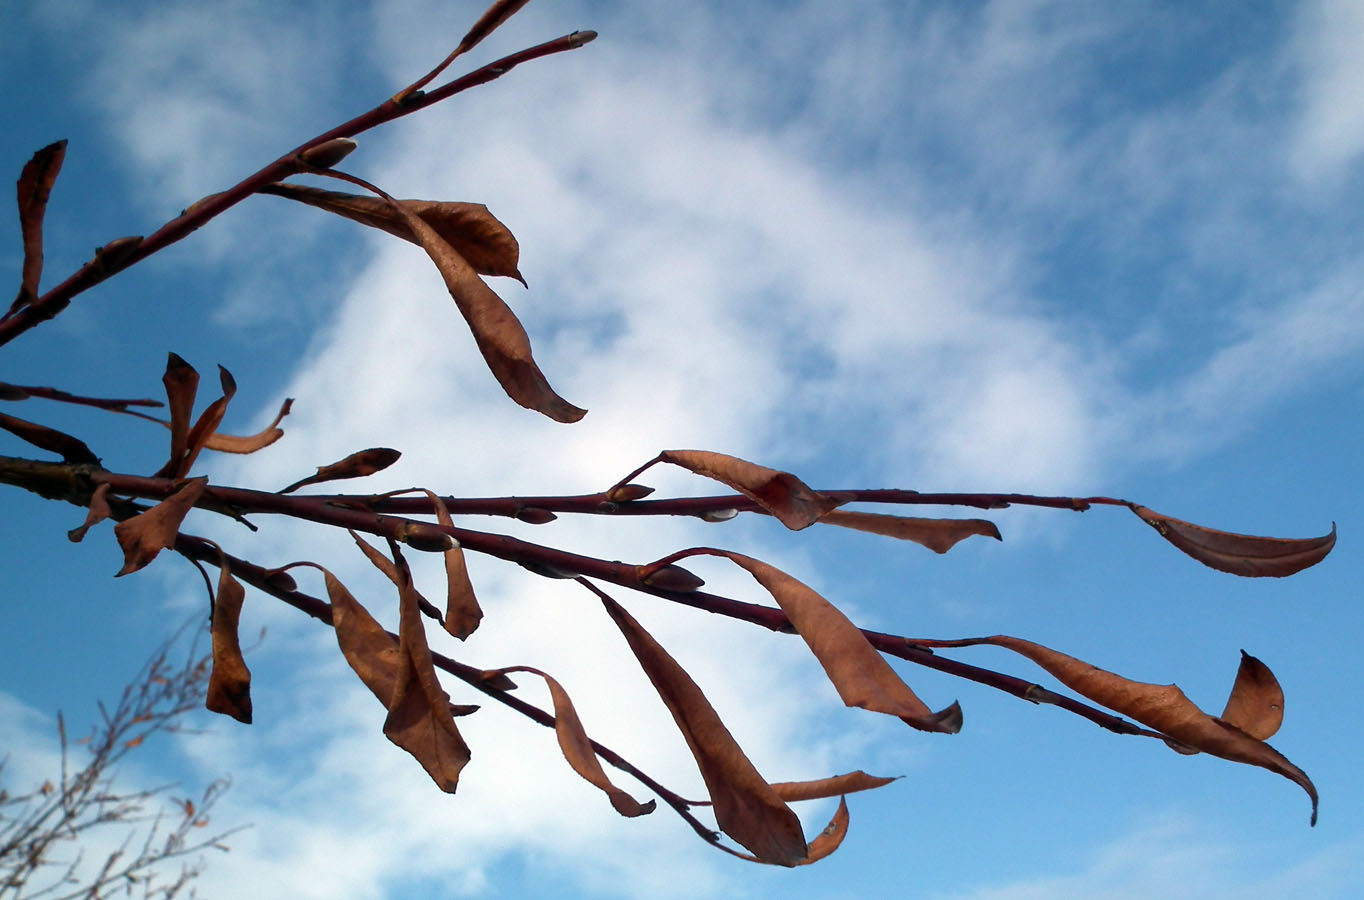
474 233
938 535
395 575
99 511
861 675
419 718
147 534
835 786
208 422
35 186
182 386
71 449
231 443
1165 708
370 651
746 807
357 465
229 683
577 747
462 612
782 494
831 838
1240 554
1256 702
497 332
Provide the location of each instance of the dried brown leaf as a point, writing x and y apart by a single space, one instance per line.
938 535
746 807
1240 554
229 683
370 650
357 465
476 234
498 333
182 385
34 188
462 612
577 747
835 786
147 534
1162 707
99 511
831 838
231 443
419 718
782 494
208 422
71 449
1256 702
861 675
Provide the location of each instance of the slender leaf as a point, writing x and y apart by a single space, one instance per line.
1240 554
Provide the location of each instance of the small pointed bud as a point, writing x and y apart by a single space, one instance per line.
674 578
624 493
281 580
463 709
546 571
497 680
578 38
328 153
421 536
535 515
718 515
117 251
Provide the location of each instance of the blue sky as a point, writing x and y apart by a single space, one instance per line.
1029 246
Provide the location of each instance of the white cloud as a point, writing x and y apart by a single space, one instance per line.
1331 132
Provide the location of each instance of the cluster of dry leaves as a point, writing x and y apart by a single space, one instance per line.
465 242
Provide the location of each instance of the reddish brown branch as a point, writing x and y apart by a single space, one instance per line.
102 267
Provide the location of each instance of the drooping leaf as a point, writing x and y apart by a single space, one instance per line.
1162 707
182 386
577 747
495 15
357 465
71 449
147 534
938 535
368 648
1240 554
782 494
497 332
229 682
419 718
395 575
462 612
474 233
746 807
835 786
857 670
99 511
1256 702
34 188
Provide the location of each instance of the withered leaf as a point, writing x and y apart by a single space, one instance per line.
34 188
474 233
495 15
357 465
577 747
71 449
860 674
182 386
831 838
782 494
229 683
1256 702
497 332
835 786
938 535
1162 707
99 511
462 612
208 423
394 573
419 718
1240 554
746 807
231 443
368 648
147 534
